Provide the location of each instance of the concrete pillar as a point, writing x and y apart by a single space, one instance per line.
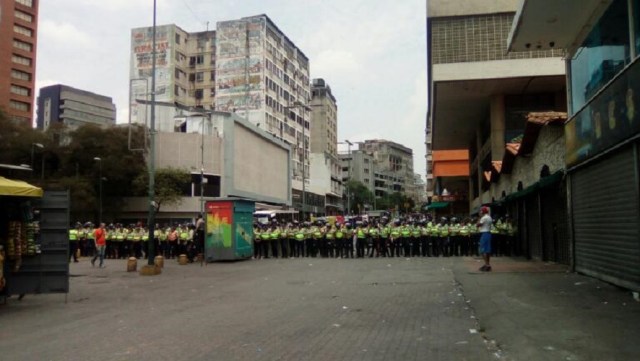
497 118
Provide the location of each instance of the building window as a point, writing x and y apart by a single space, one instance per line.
20 60
177 38
22 30
28 3
22 106
20 90
199 93
602 55
213 76
22 45
200 59
24 16
20 75
199 77
176 90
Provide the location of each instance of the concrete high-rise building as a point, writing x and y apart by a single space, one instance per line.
185 73
383 166
479 92
393 166
18 43
246 66
325 164
261 74
73 107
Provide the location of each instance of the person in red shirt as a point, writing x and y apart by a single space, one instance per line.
100 239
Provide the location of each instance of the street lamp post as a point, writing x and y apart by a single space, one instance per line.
298 104
152 149
33 149
99 160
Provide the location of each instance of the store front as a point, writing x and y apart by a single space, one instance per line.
34 244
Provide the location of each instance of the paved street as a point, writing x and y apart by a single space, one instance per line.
324 309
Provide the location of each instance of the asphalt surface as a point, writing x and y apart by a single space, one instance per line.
325 309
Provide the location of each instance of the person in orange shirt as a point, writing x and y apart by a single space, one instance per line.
100 239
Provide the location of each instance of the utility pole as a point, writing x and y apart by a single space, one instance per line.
151 269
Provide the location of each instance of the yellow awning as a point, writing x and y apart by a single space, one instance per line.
17 188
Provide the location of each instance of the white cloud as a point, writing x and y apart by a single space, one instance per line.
56 34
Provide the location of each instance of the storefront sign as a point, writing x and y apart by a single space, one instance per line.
611 117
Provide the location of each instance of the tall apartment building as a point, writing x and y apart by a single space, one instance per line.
18 43
479 92
185 73
383 166
261 74
325 164
393 166
73 107
246 66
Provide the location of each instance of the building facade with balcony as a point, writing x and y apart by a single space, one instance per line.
18 45
246 66
601 151
479 94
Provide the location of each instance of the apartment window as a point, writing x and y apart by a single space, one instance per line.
199 77
200 59
213 92
22 106
20 75
24 16
176 90
199 93
20 60
177 74
22 45
22 30
213 76
20 90
28 3
177 38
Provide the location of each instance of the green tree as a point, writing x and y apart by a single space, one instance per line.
170 185
360 195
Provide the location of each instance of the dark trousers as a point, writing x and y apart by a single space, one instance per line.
284 247
274 248
73 251
348 247
360 247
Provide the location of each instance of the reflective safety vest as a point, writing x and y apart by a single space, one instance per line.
405 231
331 234
415 232
73 235
136 236
265 236
162 236
374 232
464 231
384 233
119 235
299 235
339 234
455 229
395 232
361 233
145 237
184 236
444 231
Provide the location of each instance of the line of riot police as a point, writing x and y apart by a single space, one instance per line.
383 238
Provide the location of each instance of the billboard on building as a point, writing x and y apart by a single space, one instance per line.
141 70
239 66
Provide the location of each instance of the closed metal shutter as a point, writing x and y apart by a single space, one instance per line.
534 239
605 219
555 226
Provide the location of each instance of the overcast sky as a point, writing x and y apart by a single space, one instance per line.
371 52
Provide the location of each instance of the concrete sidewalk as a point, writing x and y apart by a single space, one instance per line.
538 311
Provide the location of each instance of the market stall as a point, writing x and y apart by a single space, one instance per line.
34 249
